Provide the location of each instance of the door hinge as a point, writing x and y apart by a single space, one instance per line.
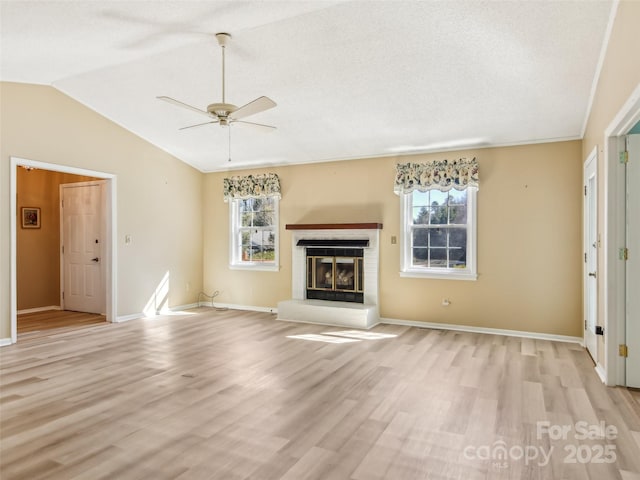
585 323
585 190
63 249
623 253
623 351
624 157
585 258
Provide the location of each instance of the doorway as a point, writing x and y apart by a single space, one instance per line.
108 259
590 249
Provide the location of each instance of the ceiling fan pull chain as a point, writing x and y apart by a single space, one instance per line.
229 127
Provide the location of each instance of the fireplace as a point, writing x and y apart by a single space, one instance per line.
334 274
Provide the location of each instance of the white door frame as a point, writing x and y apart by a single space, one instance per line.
111 233
614 237
590 221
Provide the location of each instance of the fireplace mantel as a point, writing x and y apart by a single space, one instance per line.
333 226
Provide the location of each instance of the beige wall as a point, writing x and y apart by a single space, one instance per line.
529 237
159 199
619 77
38 250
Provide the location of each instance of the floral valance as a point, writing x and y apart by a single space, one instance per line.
437 175
265 185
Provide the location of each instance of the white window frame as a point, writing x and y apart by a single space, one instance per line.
408 270
235 247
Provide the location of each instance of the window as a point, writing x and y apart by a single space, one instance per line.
438 237
254 233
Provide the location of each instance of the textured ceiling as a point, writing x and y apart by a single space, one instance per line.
351 79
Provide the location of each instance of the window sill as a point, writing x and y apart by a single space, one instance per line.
449 275
255 267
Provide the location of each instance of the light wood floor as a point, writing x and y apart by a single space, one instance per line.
40 323
229 395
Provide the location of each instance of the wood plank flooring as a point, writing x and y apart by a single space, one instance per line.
231 395
37 322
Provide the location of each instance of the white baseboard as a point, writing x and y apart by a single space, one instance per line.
39 309
492 331
126 318
251 308
179 308
5 342
134 316
601 373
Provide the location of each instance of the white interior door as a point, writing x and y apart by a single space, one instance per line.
633 263
591 254
82 238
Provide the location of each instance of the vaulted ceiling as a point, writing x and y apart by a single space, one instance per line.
351 79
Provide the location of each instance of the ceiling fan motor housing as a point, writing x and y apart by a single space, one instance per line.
221 111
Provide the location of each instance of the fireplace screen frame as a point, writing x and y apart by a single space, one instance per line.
324 263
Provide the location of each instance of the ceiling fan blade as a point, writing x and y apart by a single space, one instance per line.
269 128
258 105
184 105
198 125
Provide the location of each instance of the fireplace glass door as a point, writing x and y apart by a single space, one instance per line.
335 277
345 274
324 273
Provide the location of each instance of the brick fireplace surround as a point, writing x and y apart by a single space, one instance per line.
346 314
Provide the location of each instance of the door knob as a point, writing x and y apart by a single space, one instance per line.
97 260
592 274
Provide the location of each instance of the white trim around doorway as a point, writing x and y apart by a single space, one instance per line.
614 237
111 233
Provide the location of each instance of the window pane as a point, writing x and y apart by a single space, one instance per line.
438 197
457 197
245 205
263 219
438 257
439 216
268 204
457 248
247 219
458 214
420 199
245 238
438 237
266 252
420 215
420 237
420 257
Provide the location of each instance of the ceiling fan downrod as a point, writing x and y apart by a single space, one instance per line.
222 41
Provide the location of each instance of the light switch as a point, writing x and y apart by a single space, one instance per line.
394 240
127 239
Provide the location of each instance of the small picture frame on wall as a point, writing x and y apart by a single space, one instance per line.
30 217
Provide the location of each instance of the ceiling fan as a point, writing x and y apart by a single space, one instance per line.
224 113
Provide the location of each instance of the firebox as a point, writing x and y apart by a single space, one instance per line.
335 274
